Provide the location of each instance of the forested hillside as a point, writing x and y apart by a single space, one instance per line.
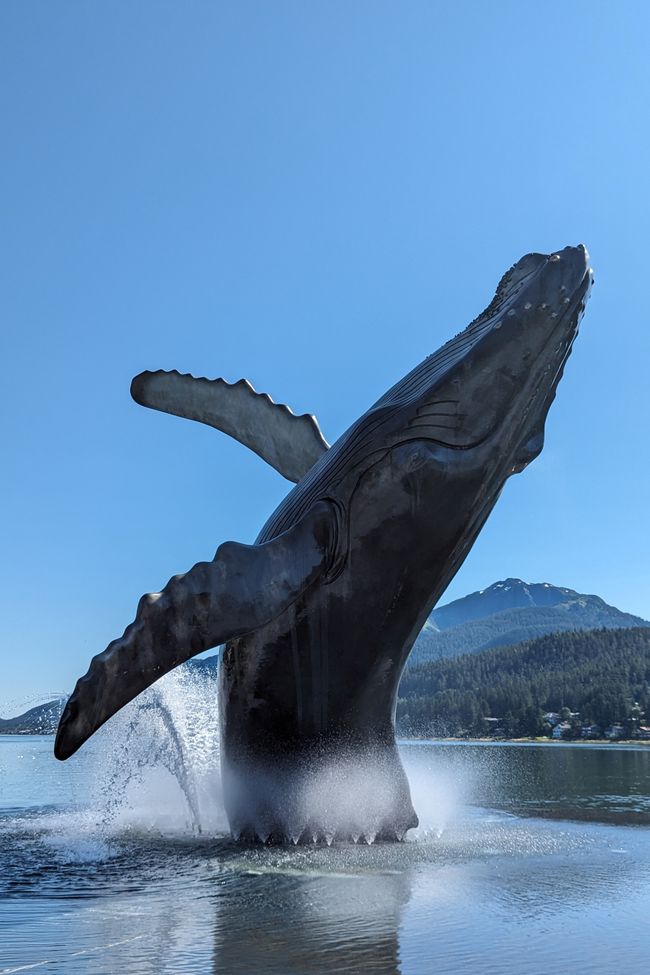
599 673
510 612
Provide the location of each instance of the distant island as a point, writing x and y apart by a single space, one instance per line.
40 720
510 661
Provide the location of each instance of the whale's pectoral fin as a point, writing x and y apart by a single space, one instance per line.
244 587
292 444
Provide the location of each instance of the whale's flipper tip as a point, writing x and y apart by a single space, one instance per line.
243 588
291 444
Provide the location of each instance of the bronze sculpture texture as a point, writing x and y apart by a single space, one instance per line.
319 615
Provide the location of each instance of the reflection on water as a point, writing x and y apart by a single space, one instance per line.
284 923
479 887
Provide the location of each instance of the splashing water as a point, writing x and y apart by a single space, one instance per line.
348 797
124 882
154 767
450 783
153 770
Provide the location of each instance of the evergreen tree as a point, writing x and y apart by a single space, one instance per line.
602 675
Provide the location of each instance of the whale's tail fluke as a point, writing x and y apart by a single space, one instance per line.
244 587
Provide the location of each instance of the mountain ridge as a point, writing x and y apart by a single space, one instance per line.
512 611
507 613
39 720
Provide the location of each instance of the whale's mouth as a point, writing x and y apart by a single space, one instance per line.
522 344
555 353
522 274
527 417
512 282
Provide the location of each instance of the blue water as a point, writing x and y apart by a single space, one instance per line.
529 860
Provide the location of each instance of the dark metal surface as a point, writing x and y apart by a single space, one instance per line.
361 549
292 444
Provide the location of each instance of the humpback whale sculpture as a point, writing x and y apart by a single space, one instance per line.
319 615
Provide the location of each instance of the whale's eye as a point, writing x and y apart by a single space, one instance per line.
418 456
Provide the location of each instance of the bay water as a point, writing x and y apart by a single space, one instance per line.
528 859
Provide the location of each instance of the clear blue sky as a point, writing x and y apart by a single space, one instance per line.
314 196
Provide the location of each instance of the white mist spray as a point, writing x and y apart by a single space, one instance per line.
155 764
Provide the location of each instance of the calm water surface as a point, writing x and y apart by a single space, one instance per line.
529 859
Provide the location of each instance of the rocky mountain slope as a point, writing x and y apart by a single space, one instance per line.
510 612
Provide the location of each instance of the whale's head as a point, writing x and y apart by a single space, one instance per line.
490 388
472 413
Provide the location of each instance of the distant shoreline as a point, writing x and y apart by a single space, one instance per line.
537 741
638 743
